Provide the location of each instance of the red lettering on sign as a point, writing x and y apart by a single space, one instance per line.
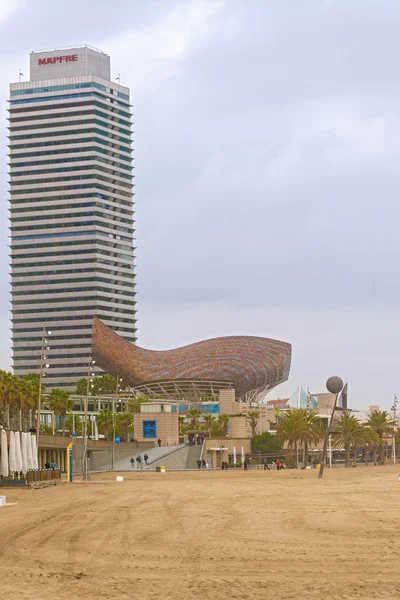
52 60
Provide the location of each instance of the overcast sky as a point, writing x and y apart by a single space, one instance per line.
267 138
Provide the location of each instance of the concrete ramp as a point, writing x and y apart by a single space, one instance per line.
154 454
193 455
174 461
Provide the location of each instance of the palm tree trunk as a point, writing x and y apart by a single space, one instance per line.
382 453
63 424
366 455
374 452
347 456
355 455
296 452
305 455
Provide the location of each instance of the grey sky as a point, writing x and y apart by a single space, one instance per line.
267 181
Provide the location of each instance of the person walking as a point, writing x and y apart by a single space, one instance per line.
159 442
198 462
139 461
203 463
146 458
132 463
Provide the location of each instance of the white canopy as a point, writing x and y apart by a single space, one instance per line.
25 440
18 453
11 456
29 452
4 454
34 453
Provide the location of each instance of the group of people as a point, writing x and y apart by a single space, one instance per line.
139 461
197 440
201 464
51 466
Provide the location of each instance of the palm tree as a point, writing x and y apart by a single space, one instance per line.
105 421
181 421
380 422
223 422
61 403
253 417
291 428
372 442
209 421
8 392
194 415
125 423
135 402
312 435
349 432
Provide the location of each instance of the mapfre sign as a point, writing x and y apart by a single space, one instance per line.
53 60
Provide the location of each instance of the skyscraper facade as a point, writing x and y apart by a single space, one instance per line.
71 210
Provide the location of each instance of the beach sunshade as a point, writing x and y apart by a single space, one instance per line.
4 454
34 453
11 455
18 453
29 452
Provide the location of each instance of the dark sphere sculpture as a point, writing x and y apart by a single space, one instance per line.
334 385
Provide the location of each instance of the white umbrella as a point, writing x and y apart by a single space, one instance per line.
18 454
24 447
234 455
29 452
243 456
11 455
35 464
4 454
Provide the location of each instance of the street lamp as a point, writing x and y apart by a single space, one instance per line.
90 378
394 409
334 385
43 365
117 389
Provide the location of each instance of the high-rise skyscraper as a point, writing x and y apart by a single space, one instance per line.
71 206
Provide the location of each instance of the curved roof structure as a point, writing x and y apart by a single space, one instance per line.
252 365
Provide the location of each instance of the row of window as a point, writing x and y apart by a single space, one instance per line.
79 215
94 298
112 174
34 204
87 109
99 304
50 132
111 164
70 271
110 152
58 248
81 186
118 216
114 144
20 124
87 317
90 103
69 86
110 179
68 97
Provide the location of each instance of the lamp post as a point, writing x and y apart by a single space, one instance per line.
43 366
334 385
85 468
117 388
394 409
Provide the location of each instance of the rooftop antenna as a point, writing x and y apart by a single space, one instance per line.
20 74
118 78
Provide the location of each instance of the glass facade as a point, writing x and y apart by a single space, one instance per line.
72 221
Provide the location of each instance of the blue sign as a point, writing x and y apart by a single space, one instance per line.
73 434
149 429
117 439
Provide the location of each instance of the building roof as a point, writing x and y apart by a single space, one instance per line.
252 365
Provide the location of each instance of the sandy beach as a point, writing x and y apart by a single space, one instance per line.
209 535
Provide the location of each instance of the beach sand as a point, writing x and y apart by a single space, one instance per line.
209 535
